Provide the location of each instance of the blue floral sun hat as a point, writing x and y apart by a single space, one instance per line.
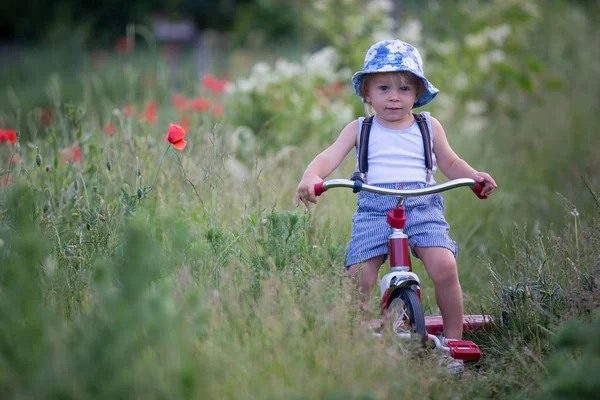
393 56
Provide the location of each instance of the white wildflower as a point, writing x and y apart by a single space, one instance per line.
320 5
286 69
383 6
411 31
316 113
237 169
476 41
295 99
443 48
474 125
323 64
461 81
499 34
484 62
532 9
475 108
343 113
446 106
380 35
344 74
497 56
260 69
245 85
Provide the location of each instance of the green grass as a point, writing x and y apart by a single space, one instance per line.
213 285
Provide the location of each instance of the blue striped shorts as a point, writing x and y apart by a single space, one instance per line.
425 224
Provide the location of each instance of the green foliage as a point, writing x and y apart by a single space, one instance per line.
110 344
572 371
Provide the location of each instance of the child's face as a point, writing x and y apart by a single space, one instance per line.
391 95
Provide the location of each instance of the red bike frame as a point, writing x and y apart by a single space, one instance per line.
400 263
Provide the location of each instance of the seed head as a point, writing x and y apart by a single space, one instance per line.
38 157
108 166
46 206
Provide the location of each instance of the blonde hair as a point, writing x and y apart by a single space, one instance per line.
406 78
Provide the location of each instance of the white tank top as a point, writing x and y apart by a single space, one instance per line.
396 155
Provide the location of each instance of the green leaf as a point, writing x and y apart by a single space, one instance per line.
534 64
554 83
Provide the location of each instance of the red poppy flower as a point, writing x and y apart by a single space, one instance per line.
128 110
4 180
213 84
47 116
98 58
199 104
337 88
208 81
219 86
217 109
152 105
175 136
8 135
179 101
184 122
124 45
15 159
76 150
149 117
70 154
109 128
149 114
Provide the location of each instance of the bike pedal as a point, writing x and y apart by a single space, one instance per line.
464 350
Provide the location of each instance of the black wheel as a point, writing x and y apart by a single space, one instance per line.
405 313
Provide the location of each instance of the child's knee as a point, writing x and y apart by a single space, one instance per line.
442 268
445 275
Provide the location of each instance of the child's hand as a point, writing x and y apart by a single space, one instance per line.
306 190
487 181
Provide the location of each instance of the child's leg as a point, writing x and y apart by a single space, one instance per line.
369 273
441 267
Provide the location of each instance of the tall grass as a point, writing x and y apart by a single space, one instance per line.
211 285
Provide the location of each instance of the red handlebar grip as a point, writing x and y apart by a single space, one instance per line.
319 189
477 190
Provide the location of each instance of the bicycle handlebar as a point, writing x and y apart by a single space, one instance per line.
358 186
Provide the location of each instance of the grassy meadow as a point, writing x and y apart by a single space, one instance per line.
131 269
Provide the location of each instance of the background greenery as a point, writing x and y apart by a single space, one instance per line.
124 274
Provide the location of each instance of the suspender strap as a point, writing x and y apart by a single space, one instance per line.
363 148
426 145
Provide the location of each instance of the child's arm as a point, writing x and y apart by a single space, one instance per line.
452 165
325 163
